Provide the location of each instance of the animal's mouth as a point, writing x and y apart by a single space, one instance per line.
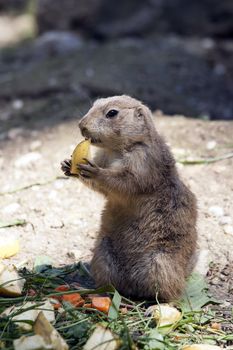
93 140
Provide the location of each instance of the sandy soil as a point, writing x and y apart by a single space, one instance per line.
62 216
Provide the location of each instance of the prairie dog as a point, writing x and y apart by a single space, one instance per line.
147 240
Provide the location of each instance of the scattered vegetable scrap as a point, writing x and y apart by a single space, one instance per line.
96 302
166 316
11 284
29 312
46 337
39 318
201 347
80 152
101 303
9 246
102 339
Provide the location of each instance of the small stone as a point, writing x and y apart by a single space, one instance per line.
35 145
216 211
11 208
211 145
17 104
228 229
58 184
57 42
202 265
14 133
225 220
27 159
75 254
208 43
219 69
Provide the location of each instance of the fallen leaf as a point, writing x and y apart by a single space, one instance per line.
196 294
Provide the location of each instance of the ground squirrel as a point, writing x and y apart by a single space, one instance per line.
147 240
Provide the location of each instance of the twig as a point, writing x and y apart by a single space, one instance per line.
205 161
12 223
42 183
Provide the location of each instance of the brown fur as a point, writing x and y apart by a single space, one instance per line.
147 239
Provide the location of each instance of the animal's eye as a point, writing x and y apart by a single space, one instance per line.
112 113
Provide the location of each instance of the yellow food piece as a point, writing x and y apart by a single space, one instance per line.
11 284
9 246
201 347
81 151
165 316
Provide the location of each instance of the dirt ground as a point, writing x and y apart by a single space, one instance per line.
62 216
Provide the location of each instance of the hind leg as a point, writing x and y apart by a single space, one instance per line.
103 269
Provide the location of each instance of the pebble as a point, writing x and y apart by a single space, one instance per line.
225 220
75 254
57 42
216 211
27 159
58 184
228 229
202 265
207 43
35 145
11 208
211 145
17 104
14 133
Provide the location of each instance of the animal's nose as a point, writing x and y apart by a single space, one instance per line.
83 129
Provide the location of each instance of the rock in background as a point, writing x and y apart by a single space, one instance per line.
108 19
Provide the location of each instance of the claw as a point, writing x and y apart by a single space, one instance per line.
89 162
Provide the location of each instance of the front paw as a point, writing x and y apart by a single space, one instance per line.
89 170
66 166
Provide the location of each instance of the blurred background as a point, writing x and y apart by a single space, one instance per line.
59 55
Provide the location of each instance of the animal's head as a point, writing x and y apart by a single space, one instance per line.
117 122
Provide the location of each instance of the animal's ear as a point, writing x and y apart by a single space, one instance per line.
138 113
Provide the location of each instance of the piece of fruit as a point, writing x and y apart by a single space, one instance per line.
75 299
35 342
50 335
164 315
11 284
201 347
101 303
102 339
29 315
9 246
81 151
